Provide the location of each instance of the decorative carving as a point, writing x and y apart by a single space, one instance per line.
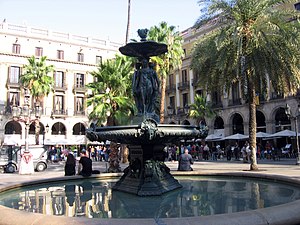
149 129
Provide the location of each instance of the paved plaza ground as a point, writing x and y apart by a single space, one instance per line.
282 215
285 167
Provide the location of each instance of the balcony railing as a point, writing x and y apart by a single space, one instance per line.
11 83
235 102
195 82
276 95
171 88
216 105
60 87
79 88
79 113
59 113
183 85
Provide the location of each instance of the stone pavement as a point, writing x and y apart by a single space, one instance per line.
285 167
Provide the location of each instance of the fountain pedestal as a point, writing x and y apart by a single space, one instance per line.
147 174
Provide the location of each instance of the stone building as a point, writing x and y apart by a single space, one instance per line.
233 110
64 114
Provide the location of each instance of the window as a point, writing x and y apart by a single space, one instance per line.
79 105
59 104
184 52
185 99
235 92
60 54
171 80
59 79
184 76
38 51
16 48
98 59
14 74
13 99
172 102
79 80
80 57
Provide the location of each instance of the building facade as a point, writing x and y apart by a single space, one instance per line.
64 114
232 108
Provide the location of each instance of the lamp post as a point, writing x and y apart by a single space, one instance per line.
177 116
289 115
45 131
23 114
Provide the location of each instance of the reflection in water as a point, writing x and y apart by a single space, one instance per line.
199 196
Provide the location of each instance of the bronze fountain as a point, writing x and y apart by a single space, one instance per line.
146 175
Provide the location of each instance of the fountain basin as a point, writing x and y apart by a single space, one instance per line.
281 214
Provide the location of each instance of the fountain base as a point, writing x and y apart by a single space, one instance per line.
147 175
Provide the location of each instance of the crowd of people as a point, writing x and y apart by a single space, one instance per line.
239 151
185 154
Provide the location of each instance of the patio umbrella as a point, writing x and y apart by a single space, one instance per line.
262 135
284 133
214 137
237 137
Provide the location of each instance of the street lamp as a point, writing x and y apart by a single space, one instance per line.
186 109
289 115
23 114
170 110
45 131
178 116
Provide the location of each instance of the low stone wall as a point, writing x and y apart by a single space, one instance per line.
286 214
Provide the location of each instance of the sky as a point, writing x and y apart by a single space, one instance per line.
106 19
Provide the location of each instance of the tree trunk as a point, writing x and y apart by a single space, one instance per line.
252 124
37 131
162 101
114 166
124 153
128 22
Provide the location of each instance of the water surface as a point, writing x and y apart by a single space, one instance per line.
199 196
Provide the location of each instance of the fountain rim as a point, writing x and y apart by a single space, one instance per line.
282 214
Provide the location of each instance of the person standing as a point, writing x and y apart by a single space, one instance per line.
205 152
26 164
85 167
228 152
236 151
185 161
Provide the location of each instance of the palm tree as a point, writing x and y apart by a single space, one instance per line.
255 43
165 63
36 78
111 98
200 109
128 22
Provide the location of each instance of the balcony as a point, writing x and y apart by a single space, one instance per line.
13 84
276 95
60 88
171 89
183 85
59 113
233 102
79 88
195 81
217 105
79 113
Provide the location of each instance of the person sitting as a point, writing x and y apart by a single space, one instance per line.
70 165
185 161
85 167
